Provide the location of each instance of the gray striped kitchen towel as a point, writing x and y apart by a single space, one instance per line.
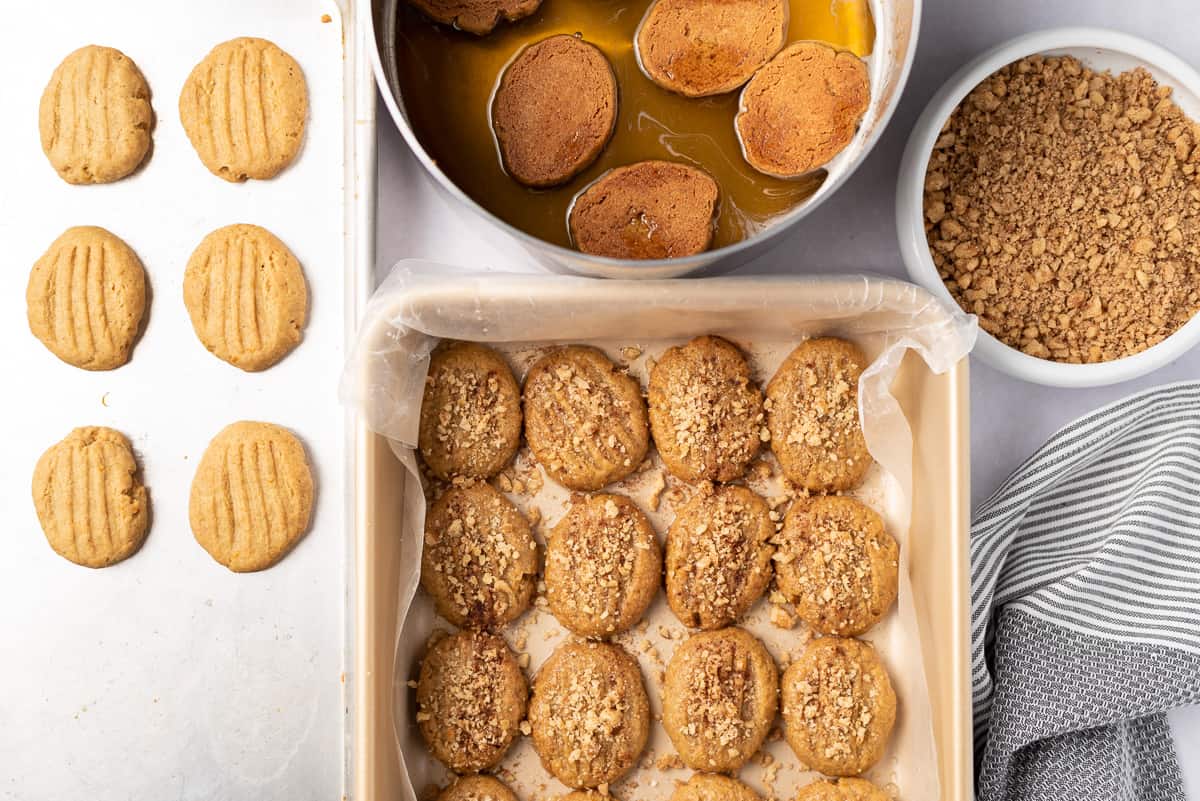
1085 616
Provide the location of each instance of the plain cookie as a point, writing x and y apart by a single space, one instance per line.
480 559
706 413
836 564
812 415
842 790
719 699
244 108
718 556
554 110
470 412
713 787
590 716
246 296
585 420
708 47
603 566
95 116
89 498
479 17
802 109
86 297
477 788
252 496
647 210
838 706
471 697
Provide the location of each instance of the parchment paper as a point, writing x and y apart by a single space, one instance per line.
634 322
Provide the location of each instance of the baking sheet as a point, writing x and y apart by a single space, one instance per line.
167 676
384 381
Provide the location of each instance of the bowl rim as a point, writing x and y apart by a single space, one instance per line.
586 264
910 221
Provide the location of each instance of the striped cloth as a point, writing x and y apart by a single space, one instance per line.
1085 617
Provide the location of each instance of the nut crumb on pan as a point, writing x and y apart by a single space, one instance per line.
1062 206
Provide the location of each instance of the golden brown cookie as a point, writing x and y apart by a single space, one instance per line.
713 787
719 699
252 496
647 210
812 413
470 413
246 295
95 116
554 110
479 17
477 788
838 706
718 556
471 697
836 564
587 795
802 109
589 713
86 297
603 565
244 108
480 559
709 47
706 413
841 790
89 498
585 420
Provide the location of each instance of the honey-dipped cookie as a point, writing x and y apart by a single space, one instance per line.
718 556
837 564
471 699
812 414
585 420
589 714
706 413
838 706
480 559
842 790
477 788
244 109
479 17
713 787
719 699
470 412
554 110
708 47
90 499
603 566
252 496
246 296
86 297
95 117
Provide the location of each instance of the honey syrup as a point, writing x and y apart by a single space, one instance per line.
447 79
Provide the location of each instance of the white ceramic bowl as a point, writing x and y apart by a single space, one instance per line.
1099 49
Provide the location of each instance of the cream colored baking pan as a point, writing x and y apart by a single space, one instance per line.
934 405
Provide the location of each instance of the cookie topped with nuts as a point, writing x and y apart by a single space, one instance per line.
585 420
812 413
718 556
706 413
837 564
471 697
838 706
603 565
590 716
480 557
477 788
470 413
719 699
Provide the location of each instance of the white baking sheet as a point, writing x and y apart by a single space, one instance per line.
167 676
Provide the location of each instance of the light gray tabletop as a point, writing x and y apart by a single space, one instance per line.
855 230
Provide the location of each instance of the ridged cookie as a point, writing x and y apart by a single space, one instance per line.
95 116
252 496
246 295
244 108
86 297
89 499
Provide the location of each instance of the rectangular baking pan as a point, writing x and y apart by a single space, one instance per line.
936 407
